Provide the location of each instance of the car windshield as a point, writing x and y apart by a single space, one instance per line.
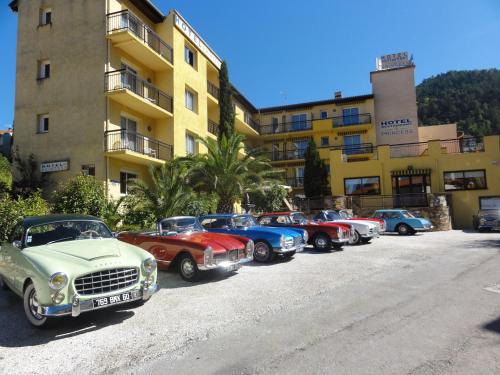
180 225
68 230
299 218
244 221
332 215
344 215
407 214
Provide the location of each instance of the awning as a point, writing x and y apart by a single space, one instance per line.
412 172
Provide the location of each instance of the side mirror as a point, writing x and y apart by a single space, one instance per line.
17 244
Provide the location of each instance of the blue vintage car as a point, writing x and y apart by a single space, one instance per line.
268 241
403 221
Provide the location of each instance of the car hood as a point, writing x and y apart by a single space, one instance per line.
358 224
85 255
273 230
217 241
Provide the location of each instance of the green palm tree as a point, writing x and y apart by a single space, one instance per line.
225 170
167 195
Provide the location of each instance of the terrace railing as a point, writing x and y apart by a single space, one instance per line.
362 118
463 145
213 90
213 127
286 127
409 150
126 20
122 140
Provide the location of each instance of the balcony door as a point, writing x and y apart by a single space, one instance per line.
299 122
352 144
300 148
129 78
129 133
299 176
350 116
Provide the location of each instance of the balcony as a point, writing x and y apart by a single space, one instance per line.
287 155
136 148
351 120
136 93
463 145
213 128
286 127
213 90
295 182
128 33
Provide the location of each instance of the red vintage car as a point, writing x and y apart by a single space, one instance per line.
323 236
346 215
182 242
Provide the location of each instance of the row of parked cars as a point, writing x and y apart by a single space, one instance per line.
64 265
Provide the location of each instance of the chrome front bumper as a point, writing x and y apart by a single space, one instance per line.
226 265
423 229
297 249
78 306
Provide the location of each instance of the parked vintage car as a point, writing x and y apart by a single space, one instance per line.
403 221
486 220
69 264
183 243
323 236
364 231
347 216
268 241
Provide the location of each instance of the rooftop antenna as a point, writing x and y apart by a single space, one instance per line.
283 93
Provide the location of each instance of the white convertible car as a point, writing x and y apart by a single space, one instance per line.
364 230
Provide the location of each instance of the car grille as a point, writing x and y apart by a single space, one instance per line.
231 256
106 281
297 241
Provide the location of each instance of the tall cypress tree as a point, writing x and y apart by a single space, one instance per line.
315 174
226 120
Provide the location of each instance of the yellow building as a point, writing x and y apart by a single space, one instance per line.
110 87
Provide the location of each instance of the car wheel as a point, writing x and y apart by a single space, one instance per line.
366 240
322 242
290 254
404 230
356 239
3 286
188 268
262 252
31 308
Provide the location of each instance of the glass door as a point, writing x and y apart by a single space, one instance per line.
129 133
410 191
352 144
350 116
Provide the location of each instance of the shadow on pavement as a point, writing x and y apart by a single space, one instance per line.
477 244
493 326
15 331
171 279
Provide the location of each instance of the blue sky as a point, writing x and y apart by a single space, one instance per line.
288 51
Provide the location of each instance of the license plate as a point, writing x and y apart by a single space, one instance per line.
113 300
299 249
232 267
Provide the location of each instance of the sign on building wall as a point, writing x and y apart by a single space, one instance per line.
395 60
396 127
54 166
193 36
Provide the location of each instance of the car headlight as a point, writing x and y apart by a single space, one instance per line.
149 265
482 221
283 241
306 236
58 281
249 248
209 255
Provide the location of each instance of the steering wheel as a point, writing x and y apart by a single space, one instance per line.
91 233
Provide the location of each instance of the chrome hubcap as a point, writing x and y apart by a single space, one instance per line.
321 242
187 267
403 229
34 306
260 250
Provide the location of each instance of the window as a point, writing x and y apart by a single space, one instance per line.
350 116
190 56
190 145
125 179
88 170
300 148
43 123
323 115
325 141
352 144
362 186
299 122
489 203
43 69
45 16
190 99
465 180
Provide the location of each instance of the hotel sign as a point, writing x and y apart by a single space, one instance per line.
54 166
396 127
193 36
395 60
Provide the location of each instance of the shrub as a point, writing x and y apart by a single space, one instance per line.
269 199
81 195
201 204
5 177
14 210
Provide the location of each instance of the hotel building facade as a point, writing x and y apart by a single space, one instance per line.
110 87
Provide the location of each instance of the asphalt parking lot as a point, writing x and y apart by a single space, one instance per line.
427 304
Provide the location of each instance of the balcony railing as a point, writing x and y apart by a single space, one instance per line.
213 127
409 150
463 145
362 118
295 182
122 140
125 20
213 90
357 149
286 127
124 79
287 155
